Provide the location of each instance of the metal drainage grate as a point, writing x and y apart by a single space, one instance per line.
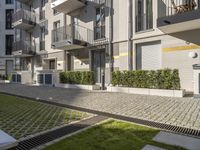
162 126
53 135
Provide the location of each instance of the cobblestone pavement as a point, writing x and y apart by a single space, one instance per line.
184 112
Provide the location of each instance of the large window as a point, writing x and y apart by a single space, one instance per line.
52 64
9 1
42 38
8 18
42 10
56 25
100 23
9 44
198 4
42 3
57 34
144 15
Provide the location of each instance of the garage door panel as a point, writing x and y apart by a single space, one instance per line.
149 56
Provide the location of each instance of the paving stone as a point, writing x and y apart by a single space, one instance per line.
178 140
6 141
175 111
150 147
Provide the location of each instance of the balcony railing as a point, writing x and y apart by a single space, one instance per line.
25 1
72 32
25 47
24 15
144 22
173 7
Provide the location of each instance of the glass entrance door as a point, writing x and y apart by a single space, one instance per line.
98 62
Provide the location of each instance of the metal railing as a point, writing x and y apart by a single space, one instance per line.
25 15
144 22
173 7
71 32
58 0
24 1
98 1
25 46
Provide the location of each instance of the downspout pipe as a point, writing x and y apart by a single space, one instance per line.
110 46
65 52
130 33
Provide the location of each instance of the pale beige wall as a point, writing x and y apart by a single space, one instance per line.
121 56
175 49
176 55
120 20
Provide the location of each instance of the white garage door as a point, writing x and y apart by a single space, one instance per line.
150 54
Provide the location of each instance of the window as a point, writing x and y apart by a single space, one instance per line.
56 25
57 34
100 23
9 1
42 10
42 3
42 38
9 13
144 15
55 12
42 14
52 64
198 4
9 44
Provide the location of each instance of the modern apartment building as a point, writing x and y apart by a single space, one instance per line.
106 35
6 36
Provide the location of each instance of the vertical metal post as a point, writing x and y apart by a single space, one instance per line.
130 30
110 47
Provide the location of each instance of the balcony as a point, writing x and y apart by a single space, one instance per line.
180 16
25 1
24 19
72 37
23 49
67 6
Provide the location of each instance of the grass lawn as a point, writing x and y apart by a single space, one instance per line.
20 117
111 135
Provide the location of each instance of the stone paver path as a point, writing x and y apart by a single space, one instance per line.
178 140
184 112
150 147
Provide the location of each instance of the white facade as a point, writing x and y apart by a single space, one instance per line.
129 37
6 61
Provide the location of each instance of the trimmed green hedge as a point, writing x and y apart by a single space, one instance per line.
159 79
77 77
4 77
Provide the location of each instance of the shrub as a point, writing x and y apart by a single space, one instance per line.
77 77
4 77
155 79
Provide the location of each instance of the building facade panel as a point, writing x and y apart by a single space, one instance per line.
106 35
6 31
